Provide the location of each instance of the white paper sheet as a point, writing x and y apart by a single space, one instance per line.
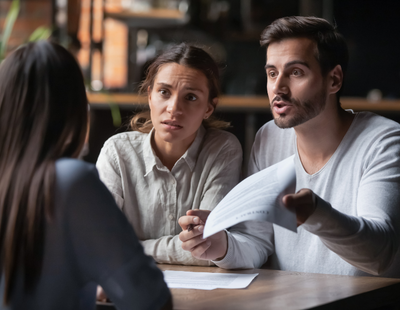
207 280
259 198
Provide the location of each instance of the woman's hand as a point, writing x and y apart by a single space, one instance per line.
211 248
100 294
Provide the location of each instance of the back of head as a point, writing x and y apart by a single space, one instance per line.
331 46
43 116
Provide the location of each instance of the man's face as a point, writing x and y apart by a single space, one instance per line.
296 88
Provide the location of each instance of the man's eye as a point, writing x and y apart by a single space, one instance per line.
272 74
296 72
191 97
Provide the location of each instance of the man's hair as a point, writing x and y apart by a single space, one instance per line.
331 46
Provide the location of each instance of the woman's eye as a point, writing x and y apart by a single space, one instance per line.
163 92
191 97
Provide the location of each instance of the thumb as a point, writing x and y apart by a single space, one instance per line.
288 201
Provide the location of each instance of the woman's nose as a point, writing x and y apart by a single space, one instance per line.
174 106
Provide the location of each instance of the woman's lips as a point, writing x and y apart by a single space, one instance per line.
171 125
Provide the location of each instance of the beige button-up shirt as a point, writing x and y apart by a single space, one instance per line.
153 198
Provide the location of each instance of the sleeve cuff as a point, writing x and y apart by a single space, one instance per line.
229 257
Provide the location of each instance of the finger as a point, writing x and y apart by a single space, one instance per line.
289 202
186 235
202 214
192 243
200 251
185 221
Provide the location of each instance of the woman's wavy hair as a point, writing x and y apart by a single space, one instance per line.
331 46
43 117
188 56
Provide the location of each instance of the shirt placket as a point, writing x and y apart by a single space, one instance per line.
172 204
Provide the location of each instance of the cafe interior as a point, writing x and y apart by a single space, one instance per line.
115 41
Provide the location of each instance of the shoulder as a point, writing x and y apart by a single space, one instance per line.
70 172
371 127
369 120
122 146
132 138
270 136
221 140
271 130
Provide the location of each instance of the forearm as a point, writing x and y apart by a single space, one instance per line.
368 244
168 250
249 245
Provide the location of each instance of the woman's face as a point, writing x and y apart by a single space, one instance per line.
178 104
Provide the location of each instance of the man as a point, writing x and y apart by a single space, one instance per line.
347 168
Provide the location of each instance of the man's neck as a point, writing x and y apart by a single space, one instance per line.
318 138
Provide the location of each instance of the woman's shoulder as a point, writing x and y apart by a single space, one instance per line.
132 138
70 171
221 139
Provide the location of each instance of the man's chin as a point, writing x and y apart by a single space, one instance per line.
282 122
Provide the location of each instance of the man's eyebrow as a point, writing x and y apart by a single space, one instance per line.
290 63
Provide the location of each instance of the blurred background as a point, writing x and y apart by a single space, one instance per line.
115 40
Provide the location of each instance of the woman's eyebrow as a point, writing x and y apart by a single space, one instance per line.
164 84
194 89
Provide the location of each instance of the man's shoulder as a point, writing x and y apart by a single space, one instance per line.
272 144
373 126
270 133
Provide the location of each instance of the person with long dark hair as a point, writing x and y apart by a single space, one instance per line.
61 232
176 158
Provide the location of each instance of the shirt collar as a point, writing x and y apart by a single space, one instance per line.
190 156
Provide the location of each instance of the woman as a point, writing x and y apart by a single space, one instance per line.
60 230
175 159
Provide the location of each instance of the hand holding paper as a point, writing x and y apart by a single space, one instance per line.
259 197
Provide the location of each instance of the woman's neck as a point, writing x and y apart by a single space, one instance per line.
169 152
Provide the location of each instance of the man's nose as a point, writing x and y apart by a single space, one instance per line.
281 85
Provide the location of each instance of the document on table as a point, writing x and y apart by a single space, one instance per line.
207 280
257 198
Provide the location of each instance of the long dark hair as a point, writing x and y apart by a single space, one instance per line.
43 117
189 56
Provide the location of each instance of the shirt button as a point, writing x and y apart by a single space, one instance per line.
171 217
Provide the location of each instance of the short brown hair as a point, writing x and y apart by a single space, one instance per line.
331 46
191 57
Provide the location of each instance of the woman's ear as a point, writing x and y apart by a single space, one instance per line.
149 96
336 79
211 107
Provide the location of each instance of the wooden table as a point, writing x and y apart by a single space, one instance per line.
273 289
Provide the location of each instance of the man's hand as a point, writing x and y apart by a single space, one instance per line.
212 248
303 203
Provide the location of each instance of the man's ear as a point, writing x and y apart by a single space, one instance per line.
335 79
